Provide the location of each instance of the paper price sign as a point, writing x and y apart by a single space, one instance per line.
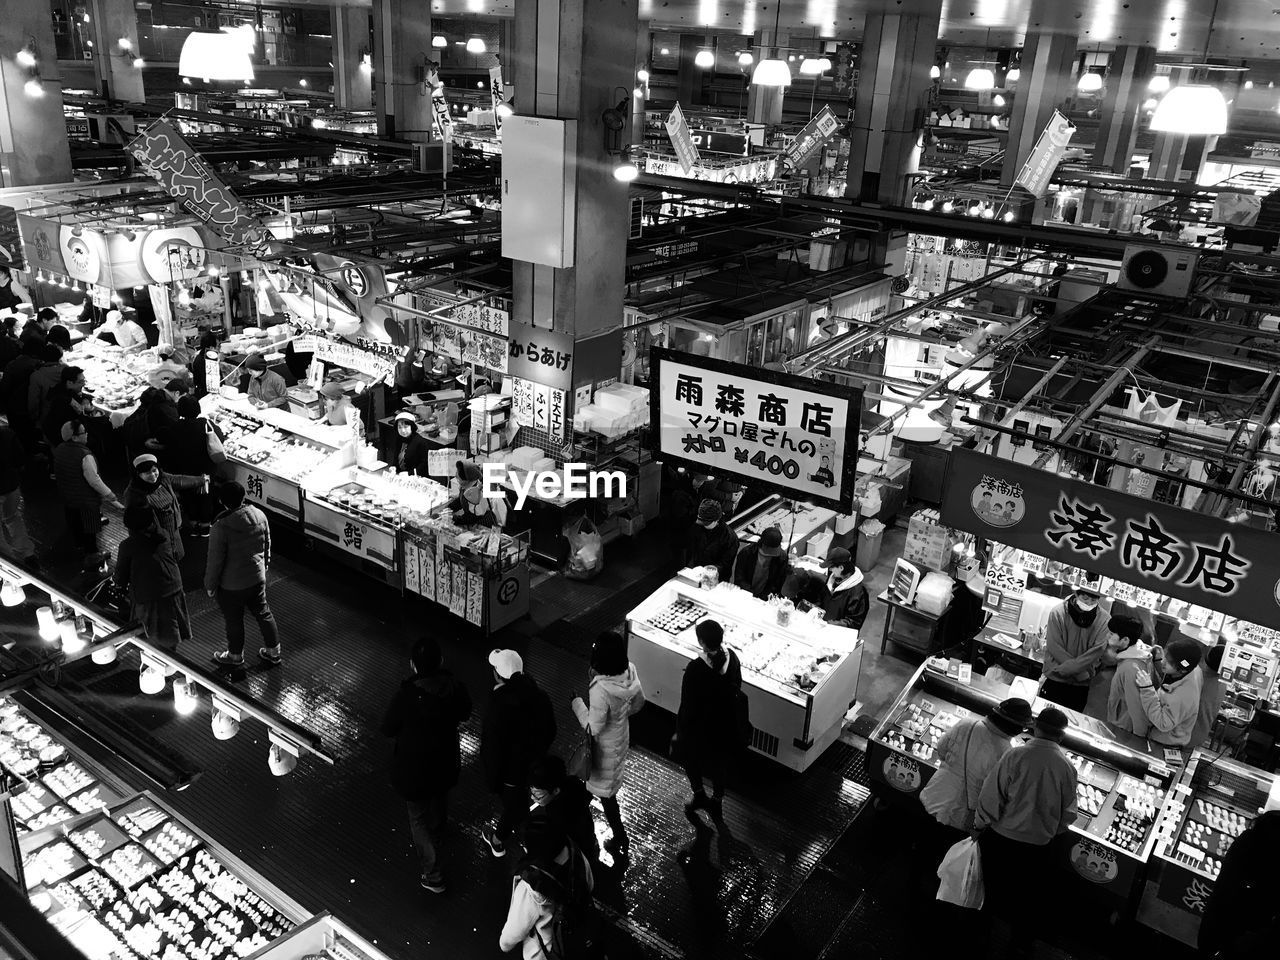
1008 580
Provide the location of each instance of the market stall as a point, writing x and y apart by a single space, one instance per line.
800 674
1122 785
479 574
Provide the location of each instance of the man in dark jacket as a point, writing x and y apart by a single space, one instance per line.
424 717
562 801
163 421
14 387
847 601
762 567
519 728
1242 915
236 574
15 543
711 542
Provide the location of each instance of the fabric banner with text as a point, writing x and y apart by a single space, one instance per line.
1193 557
814 134
1046 155
682 140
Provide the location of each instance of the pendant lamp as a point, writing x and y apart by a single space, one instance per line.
704 59
772 71
1089 82
980 78
1159 83
815 66
935 73
1195 109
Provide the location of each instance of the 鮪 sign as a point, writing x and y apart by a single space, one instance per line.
791 435
1191 556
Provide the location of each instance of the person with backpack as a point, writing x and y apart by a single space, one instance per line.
519 728
551 915
424 717
708 724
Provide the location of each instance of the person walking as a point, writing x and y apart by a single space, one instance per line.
80 488
147 568
518 730
424 717
613 695
563 802
236 576
711 542
159 490
1075 638
15 542
1027 801
553 875
706 724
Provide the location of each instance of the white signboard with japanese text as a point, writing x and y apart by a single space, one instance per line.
353 358
792 435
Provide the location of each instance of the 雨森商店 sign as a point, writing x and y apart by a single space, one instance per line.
791 435
1190 556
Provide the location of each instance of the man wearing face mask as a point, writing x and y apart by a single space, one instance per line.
264 385
1075 638
409 454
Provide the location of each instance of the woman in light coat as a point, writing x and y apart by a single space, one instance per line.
613 695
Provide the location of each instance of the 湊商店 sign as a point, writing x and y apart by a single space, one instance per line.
791 435
1200 559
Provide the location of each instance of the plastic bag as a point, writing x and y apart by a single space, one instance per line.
586 552
961 875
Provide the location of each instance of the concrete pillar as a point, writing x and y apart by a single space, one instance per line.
401 47
1175 156
111 22
764 104
688 74
1046 83
1131 71
33 135
644 47
892 90
352 42
571 56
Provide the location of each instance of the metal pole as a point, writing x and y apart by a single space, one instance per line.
1040 384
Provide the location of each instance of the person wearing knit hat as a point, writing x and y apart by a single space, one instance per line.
265 386
762 567
967 753
1027 801
847 599
711 542
159 490
1170 693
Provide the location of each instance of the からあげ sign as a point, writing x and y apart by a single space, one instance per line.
1200 559
167 157
791 435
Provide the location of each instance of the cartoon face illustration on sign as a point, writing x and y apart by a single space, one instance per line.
901 773
84 255
997 502
1094 862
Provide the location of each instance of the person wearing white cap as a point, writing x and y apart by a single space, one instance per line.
409 453
123 330
519 728
159 490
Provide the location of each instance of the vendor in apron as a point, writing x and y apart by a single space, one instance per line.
470 506
338 411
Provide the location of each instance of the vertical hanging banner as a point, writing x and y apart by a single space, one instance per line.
811 138
167 157
440 114
497 94
1046 155
682 140
10 240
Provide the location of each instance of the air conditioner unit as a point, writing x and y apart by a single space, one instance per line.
1158 271
433 157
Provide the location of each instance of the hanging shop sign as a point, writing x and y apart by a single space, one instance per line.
85 254
186 177
811 138
364 540
10 240
542 356
681 141
1156 547
1046 155
265 489
792 435
717 141
375 365
539 407
440 114
497 94
175 254
40 241
359 286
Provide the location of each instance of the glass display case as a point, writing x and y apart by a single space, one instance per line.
800 673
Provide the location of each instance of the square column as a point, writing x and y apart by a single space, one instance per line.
352 41
111 22
1047 82
644 47
33 135
401 48
1131 71
892 91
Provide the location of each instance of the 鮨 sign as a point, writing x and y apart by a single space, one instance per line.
1156 547
167 157
815 133
681 140
791 435
1046 155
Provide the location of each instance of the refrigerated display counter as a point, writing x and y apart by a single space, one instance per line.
800 679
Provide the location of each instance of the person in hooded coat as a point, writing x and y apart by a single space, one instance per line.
148 569
706 737
1133 658
614 694
424 717
160 492
847 600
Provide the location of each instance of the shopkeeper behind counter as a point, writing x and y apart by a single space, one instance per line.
470 506
1075 638
409 450
841 594
265 386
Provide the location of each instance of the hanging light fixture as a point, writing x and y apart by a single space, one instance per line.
745 59
104 655
935 72
815 66
997 101
772 71
439 41
1159 83
185 697
704 59
626 170
1013 76
226 719
72 642
981 78
642 75
11 594
1089 82
47 623
1194 109
476 45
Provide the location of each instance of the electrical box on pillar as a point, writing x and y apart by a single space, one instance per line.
538 190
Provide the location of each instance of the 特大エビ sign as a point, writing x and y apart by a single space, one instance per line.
1190 556
789 434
